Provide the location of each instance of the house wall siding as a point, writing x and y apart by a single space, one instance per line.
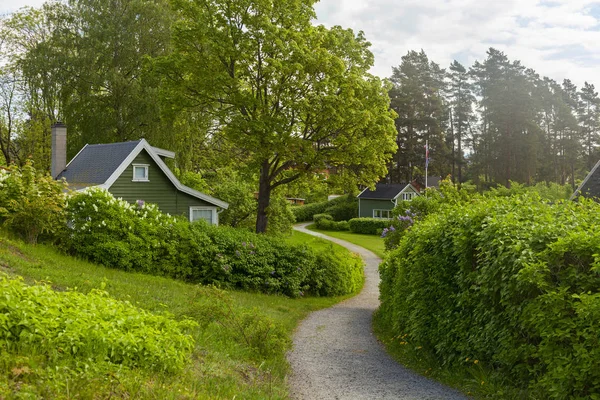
368 205
158 190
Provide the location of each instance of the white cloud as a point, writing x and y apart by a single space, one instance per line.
558 38
8 6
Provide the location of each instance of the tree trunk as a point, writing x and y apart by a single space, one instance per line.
453 149
264 197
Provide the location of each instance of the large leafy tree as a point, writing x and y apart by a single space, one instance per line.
294 97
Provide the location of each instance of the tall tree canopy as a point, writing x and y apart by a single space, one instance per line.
295 97
417 98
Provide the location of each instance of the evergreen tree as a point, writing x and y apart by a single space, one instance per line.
461 100
417 98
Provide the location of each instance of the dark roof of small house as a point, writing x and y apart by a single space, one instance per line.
95 163
590 187
383 191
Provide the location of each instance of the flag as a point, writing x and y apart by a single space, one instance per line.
426 156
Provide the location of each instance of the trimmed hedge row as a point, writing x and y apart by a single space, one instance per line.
341 208
368 226
140 238
326 222
511 282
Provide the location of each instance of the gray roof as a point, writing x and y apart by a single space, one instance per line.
590 187
95 163
383 191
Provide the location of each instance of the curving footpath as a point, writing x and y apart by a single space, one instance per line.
336 354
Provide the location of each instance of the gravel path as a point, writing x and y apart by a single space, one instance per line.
336 355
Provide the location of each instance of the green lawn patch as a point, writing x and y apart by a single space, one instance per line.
373 243
240 339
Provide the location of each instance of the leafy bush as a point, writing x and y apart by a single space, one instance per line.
92 328
326 222
341 208
368 226
137 237
509 281
140 238
31 204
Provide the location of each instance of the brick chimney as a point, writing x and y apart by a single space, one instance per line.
59 148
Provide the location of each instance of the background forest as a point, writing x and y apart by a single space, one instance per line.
113 71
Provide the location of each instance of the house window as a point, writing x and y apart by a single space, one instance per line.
408 196
208 214
382 214
140 172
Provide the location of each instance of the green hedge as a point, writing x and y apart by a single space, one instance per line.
140 238
326 222
341 208
511 282
369 226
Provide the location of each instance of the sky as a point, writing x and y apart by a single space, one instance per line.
558 38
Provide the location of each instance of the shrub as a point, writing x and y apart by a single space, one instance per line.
341 209
92 328
140 238
509 281
137 237
31 204
326 222
336 274
368 226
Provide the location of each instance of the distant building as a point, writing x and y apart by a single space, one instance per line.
380 202
590 187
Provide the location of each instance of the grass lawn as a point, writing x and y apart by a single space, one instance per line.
369 242
224 362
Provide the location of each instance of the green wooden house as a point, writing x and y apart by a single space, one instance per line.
132 171
380 202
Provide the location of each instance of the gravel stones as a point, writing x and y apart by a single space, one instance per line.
336 354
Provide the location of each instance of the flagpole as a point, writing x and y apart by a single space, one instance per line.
426 160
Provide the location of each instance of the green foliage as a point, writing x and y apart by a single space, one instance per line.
230 186
222 364
341 208
137 237
31 204
546 190
281 52
140 238
281 217
326 222
507 281
368 226
91 328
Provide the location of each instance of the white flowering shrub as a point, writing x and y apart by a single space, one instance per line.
132 237
31 203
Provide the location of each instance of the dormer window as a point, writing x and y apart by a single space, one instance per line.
140 172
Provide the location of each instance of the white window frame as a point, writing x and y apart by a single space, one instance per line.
146 167
389 213
408 196
214 220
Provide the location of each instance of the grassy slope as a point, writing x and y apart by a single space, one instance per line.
223 365
369 242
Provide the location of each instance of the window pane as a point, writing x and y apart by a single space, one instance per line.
139 172
202 214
